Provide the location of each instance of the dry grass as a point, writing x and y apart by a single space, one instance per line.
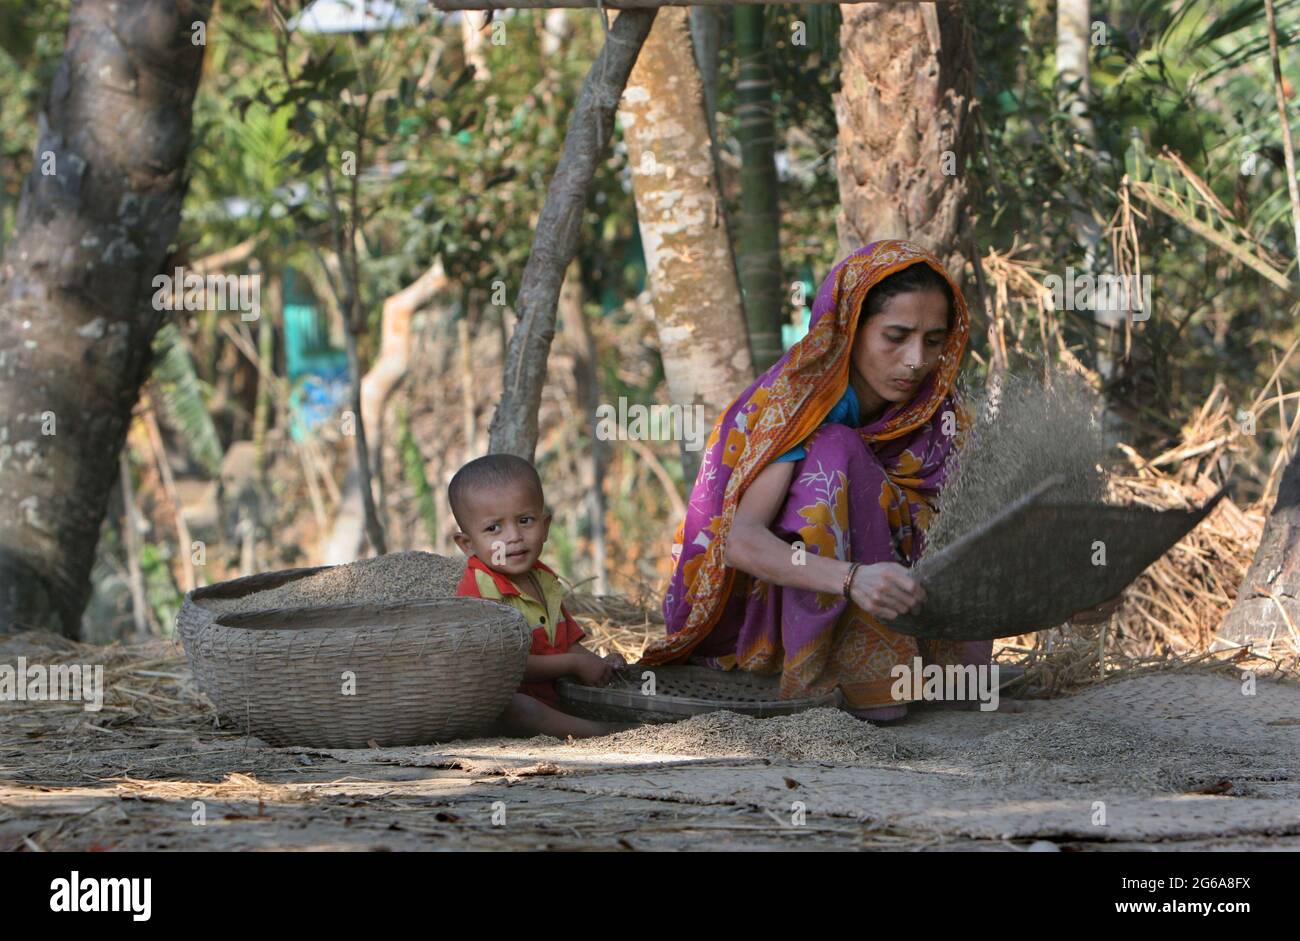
1172 613
153 717
617 624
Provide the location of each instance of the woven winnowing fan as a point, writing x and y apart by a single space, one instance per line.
1036 563
681 691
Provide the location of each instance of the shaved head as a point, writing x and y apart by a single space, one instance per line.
491 472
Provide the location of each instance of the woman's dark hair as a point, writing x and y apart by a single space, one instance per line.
917 277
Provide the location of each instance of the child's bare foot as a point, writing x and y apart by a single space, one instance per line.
526 716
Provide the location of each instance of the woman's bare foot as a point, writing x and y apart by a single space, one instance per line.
882 715
972 705
1011 705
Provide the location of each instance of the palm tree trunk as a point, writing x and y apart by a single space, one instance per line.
76 322
697 304
758 228
907 78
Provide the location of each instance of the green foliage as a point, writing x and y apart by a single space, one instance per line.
413 473
160 589
184 397
31 44
1191 76
446 162
456 164
562 549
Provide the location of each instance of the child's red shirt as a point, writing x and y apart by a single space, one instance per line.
554 629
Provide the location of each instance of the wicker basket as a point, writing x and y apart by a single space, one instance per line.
348 675
203 605
682 691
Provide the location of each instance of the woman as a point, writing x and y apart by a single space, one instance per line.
817 486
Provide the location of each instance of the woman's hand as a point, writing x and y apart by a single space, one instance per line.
885 590
1098 614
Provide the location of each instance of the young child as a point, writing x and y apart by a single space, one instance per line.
498 504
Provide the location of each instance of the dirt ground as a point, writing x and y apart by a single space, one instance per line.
1158 761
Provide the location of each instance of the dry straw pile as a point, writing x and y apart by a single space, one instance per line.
1172 612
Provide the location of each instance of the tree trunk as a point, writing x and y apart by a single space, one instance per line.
555 242
907 77
706 36
474 35
76 320
394 354
758 228
1074 91
131 544
343 542
361 449
1275 569
1073 74
698 312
